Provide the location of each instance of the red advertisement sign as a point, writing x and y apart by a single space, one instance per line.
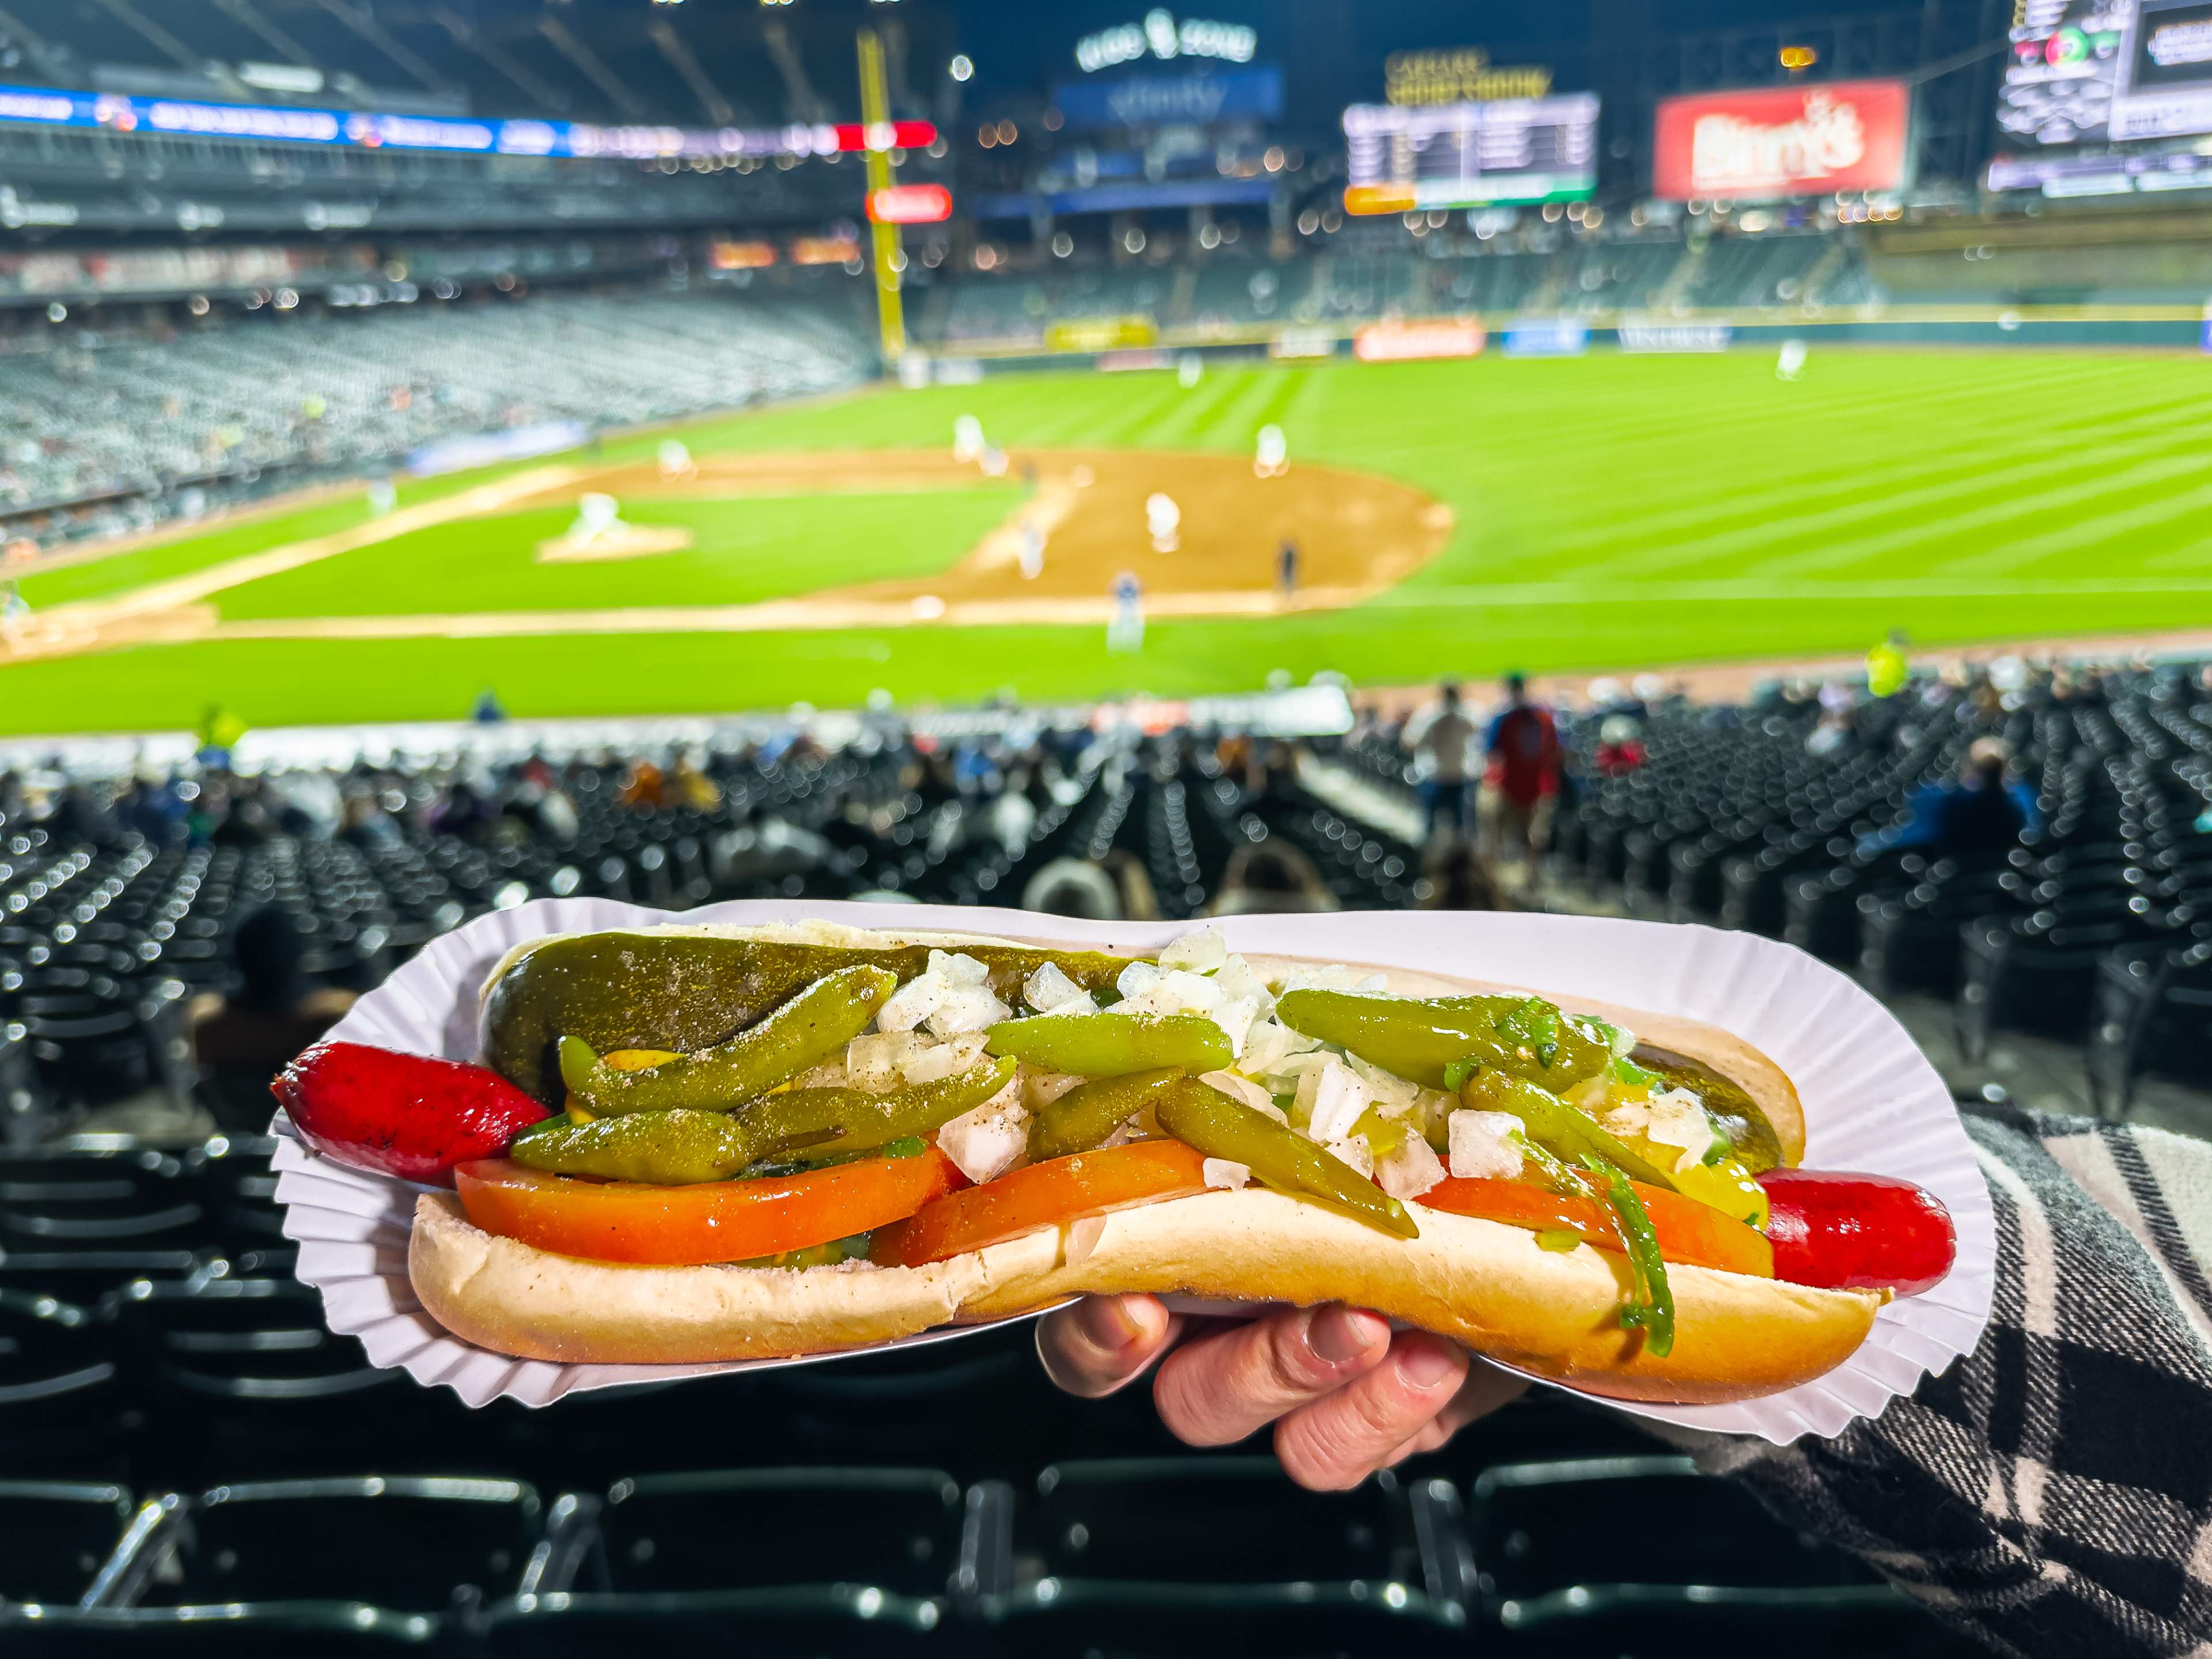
1391 343
1782 141
884 135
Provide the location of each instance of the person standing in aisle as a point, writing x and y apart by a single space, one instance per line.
1440 740
1523 748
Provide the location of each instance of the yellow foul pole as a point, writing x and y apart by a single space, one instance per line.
876 112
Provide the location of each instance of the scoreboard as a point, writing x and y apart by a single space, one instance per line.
1405 157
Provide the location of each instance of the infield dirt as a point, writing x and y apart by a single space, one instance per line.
1356 534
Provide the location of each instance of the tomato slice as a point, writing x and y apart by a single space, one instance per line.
1688 1231
1047 1195
712 1221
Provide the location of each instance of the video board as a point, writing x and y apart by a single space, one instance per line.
1406 157
2096 92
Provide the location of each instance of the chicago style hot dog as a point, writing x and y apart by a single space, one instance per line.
767 1141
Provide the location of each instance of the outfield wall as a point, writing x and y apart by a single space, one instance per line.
2166 328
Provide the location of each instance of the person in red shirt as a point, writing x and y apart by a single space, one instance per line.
1619 747
1524 747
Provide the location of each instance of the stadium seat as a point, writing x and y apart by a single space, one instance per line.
429 1544
1201 1547
54 1535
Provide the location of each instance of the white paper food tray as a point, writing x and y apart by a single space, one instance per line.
1872 1103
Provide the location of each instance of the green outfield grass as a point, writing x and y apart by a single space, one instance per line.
1614 512
744 551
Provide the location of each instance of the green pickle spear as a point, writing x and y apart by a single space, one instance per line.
1652 1309
1416 1038
1091 1111
667 1149
687 991
1112 1045
805 1032
862 1121
1209 1122
1555 1126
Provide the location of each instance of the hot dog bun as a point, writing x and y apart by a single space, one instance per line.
1490 1285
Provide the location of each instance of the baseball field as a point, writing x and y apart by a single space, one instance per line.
1606 512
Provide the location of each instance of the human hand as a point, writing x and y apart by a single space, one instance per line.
1346 1396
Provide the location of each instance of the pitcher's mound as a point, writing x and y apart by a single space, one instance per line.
624 541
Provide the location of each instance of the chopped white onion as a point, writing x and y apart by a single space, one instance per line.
1201 952
1332 1097
1048 990
984 1141
1484 1147
1409 1169
911 1004
1223 1173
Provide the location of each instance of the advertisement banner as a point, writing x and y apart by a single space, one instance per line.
484 448
1303 341
1192 96
909 204
1398 342
1101 333
1547 337
371 130
1782 141
1635 335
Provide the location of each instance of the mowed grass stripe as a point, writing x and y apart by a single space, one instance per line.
1847 457
1884 522
1861 490
1950 492
1177 427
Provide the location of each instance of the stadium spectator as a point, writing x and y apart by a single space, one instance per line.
462 811
1524 747
243 1039
242 816
363 823
1440 739
645 788
1620 746
1832 735
1980 812
1268 879
1886 668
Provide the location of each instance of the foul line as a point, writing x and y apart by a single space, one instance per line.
176 608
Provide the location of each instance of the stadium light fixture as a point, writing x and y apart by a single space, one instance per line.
963 68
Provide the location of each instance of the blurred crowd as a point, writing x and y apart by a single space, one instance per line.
1447 803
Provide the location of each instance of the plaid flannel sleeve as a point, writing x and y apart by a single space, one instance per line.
2051 1494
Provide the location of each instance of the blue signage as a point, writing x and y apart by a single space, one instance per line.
367 130
1126 198
1547 337
1163 98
